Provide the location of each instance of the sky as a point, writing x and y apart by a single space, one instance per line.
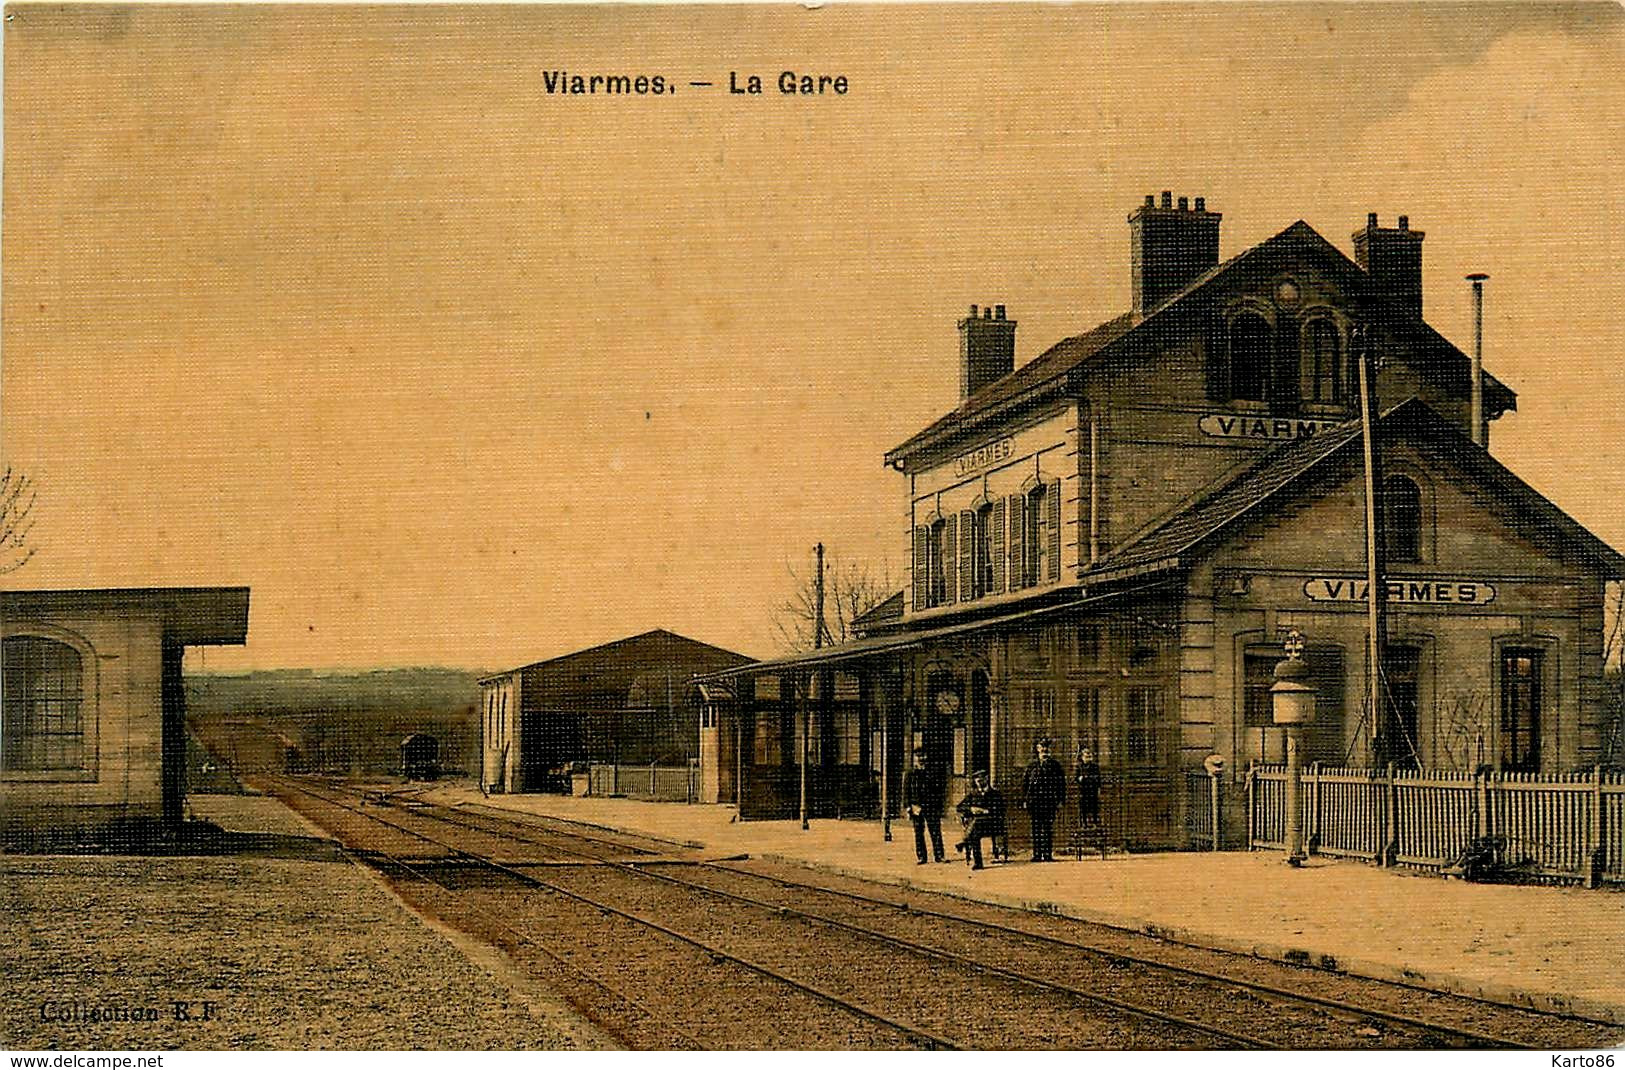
340 304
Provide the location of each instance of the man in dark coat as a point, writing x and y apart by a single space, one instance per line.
982 814
1043 789
922 801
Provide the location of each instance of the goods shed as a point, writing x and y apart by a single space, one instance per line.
625 702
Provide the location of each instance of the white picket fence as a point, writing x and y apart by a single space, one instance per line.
660 783
1568 825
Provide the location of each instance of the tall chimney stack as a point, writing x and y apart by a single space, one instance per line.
987 349
1393 259
1171 247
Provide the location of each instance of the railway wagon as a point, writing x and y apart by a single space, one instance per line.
420 757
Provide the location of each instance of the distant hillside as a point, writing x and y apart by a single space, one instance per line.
345 722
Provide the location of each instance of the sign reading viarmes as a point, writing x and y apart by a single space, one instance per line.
1240 425
1413 592
984 457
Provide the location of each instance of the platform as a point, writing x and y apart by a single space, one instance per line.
1549 947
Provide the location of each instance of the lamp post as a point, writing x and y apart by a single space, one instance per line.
1292 700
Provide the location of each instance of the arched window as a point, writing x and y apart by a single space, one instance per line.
42 719
1249 356
1402 515
1322 374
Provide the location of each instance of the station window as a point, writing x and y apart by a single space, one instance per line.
1258 679
766 737
1520 708
1088 639
1402 518
848 723
1035 539
43 711
1086 728
982 551
1142 724
1249 357
936 564
1323 374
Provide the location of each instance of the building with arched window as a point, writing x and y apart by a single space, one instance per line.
92 706
1168 496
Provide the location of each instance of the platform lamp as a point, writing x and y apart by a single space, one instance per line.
1292 700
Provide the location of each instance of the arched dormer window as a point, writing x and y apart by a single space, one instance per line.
1323 371
1250 336
42 722
1402 518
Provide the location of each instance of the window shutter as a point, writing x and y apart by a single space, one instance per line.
967 556
1017 530
950 561
922 577
995 548
1218 359
1052 521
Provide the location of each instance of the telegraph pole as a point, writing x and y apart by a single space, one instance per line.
806 701
818 625
1376 585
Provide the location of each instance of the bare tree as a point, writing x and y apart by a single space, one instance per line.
851 589
16 520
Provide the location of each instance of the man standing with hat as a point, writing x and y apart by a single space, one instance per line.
1043 789
922 801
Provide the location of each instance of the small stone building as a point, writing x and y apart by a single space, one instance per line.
92 705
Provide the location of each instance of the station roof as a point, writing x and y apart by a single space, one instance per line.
620 648
1049 372
196 616
897 641
1172 543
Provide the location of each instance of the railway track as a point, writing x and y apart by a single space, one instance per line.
1108 980
1417 1030
911 1035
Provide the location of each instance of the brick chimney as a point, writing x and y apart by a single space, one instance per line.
987 349
1393 259
1171 247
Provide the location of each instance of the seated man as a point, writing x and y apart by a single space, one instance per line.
982 814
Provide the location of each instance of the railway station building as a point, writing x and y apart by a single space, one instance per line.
92 704
1111 544
626 702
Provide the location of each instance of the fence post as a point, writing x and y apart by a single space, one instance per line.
1481 792
1595 856
1213 789
1390 848
1313 842
1252 779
